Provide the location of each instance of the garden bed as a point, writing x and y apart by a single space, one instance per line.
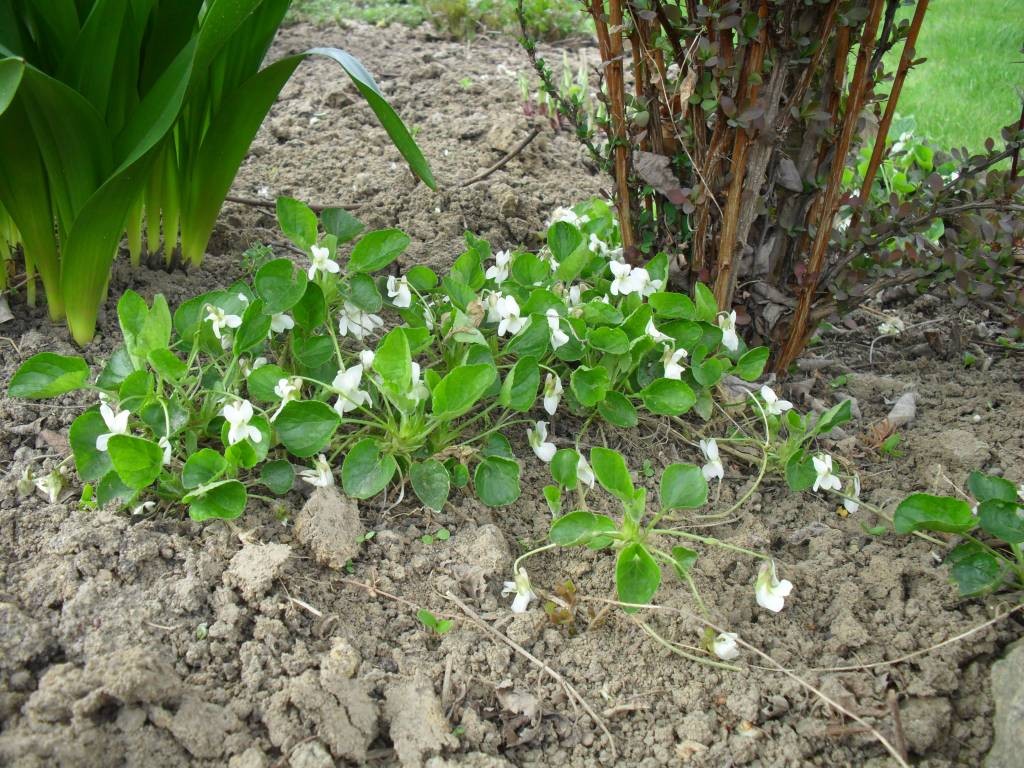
159 641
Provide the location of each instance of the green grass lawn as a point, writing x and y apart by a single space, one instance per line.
968 88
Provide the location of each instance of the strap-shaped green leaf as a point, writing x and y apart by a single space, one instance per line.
388 118
11 72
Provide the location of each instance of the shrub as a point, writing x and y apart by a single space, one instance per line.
729 128
110 111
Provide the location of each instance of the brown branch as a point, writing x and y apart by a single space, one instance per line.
725 283
670 33
899 739
315 207
1016 152
854 101
611 55
805 79
886 40
890 108
501 163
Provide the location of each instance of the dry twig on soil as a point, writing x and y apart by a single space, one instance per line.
570 690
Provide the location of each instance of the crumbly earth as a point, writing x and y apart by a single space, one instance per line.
156 641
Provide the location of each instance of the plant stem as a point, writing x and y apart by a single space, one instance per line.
708 540
531 553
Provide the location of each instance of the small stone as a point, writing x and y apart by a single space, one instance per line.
253 757
418 725
311 754
926 722
130 719
960 449
21 680
1008 693
472 760
480 558
329 525
254 567
341 662
202 728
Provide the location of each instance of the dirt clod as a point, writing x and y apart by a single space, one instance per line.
925 722
255 567
329 525
1008 692
418 727
202 728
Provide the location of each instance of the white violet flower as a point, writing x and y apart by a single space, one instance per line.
350 396
243 298
852 504
538 437
727 322
772 404
288 390
491 299
670 359
219 319
569 216
51 484
321 261
521 589
725 646
656 335
621 283
357 322
398 291
366 358
552 393
558 336
574 295
584 472
892 326
825 479
164 443
281 322
143 508
510 322
117 423
243 365
498 272
713 468
319 474
642 282
769 591
238 415
417 389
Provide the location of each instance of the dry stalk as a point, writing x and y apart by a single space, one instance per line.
570 690
888 745
798 331
890 109
611 54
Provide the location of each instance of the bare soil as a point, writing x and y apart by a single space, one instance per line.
156 641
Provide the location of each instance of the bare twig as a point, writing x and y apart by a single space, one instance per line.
257 203
890 106
374 591
501 163
573 694
889 747
859 86
892 700
921 652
